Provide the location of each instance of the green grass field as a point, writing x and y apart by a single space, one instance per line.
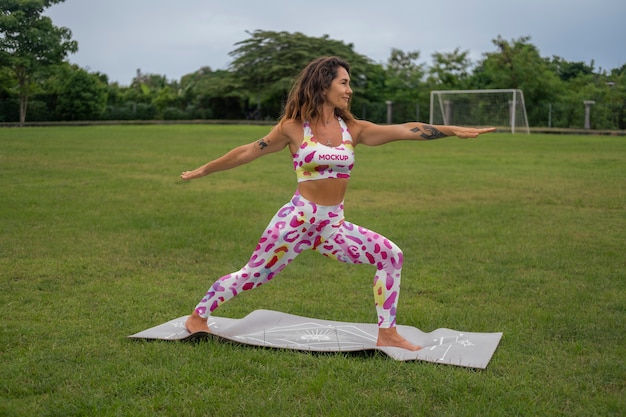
99 239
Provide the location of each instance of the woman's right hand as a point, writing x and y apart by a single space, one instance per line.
188 175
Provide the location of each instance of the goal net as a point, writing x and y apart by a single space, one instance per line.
504 109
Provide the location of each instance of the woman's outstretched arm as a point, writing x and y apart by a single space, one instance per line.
273 142
373 134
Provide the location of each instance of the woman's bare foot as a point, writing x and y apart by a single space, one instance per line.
390 337
195 323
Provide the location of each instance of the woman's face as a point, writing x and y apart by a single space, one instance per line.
339 92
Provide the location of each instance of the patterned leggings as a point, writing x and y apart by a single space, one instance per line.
300 225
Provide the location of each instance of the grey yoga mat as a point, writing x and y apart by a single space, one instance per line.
274 329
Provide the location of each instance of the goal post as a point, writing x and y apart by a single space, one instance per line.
502 108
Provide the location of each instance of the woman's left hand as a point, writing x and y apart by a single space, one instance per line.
470 132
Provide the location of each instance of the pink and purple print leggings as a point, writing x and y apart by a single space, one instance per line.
300 225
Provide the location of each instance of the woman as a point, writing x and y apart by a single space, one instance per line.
321 135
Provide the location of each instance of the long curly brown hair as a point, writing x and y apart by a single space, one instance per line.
307 94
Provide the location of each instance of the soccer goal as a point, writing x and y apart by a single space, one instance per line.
504 109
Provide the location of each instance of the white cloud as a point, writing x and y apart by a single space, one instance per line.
159 36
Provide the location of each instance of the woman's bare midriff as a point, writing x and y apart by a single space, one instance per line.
326 192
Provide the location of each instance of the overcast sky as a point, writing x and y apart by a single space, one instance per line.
175 38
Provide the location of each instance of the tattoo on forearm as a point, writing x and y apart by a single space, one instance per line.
429 132
262 144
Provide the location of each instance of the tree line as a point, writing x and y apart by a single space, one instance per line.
37 83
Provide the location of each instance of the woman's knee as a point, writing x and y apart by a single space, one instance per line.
394 255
